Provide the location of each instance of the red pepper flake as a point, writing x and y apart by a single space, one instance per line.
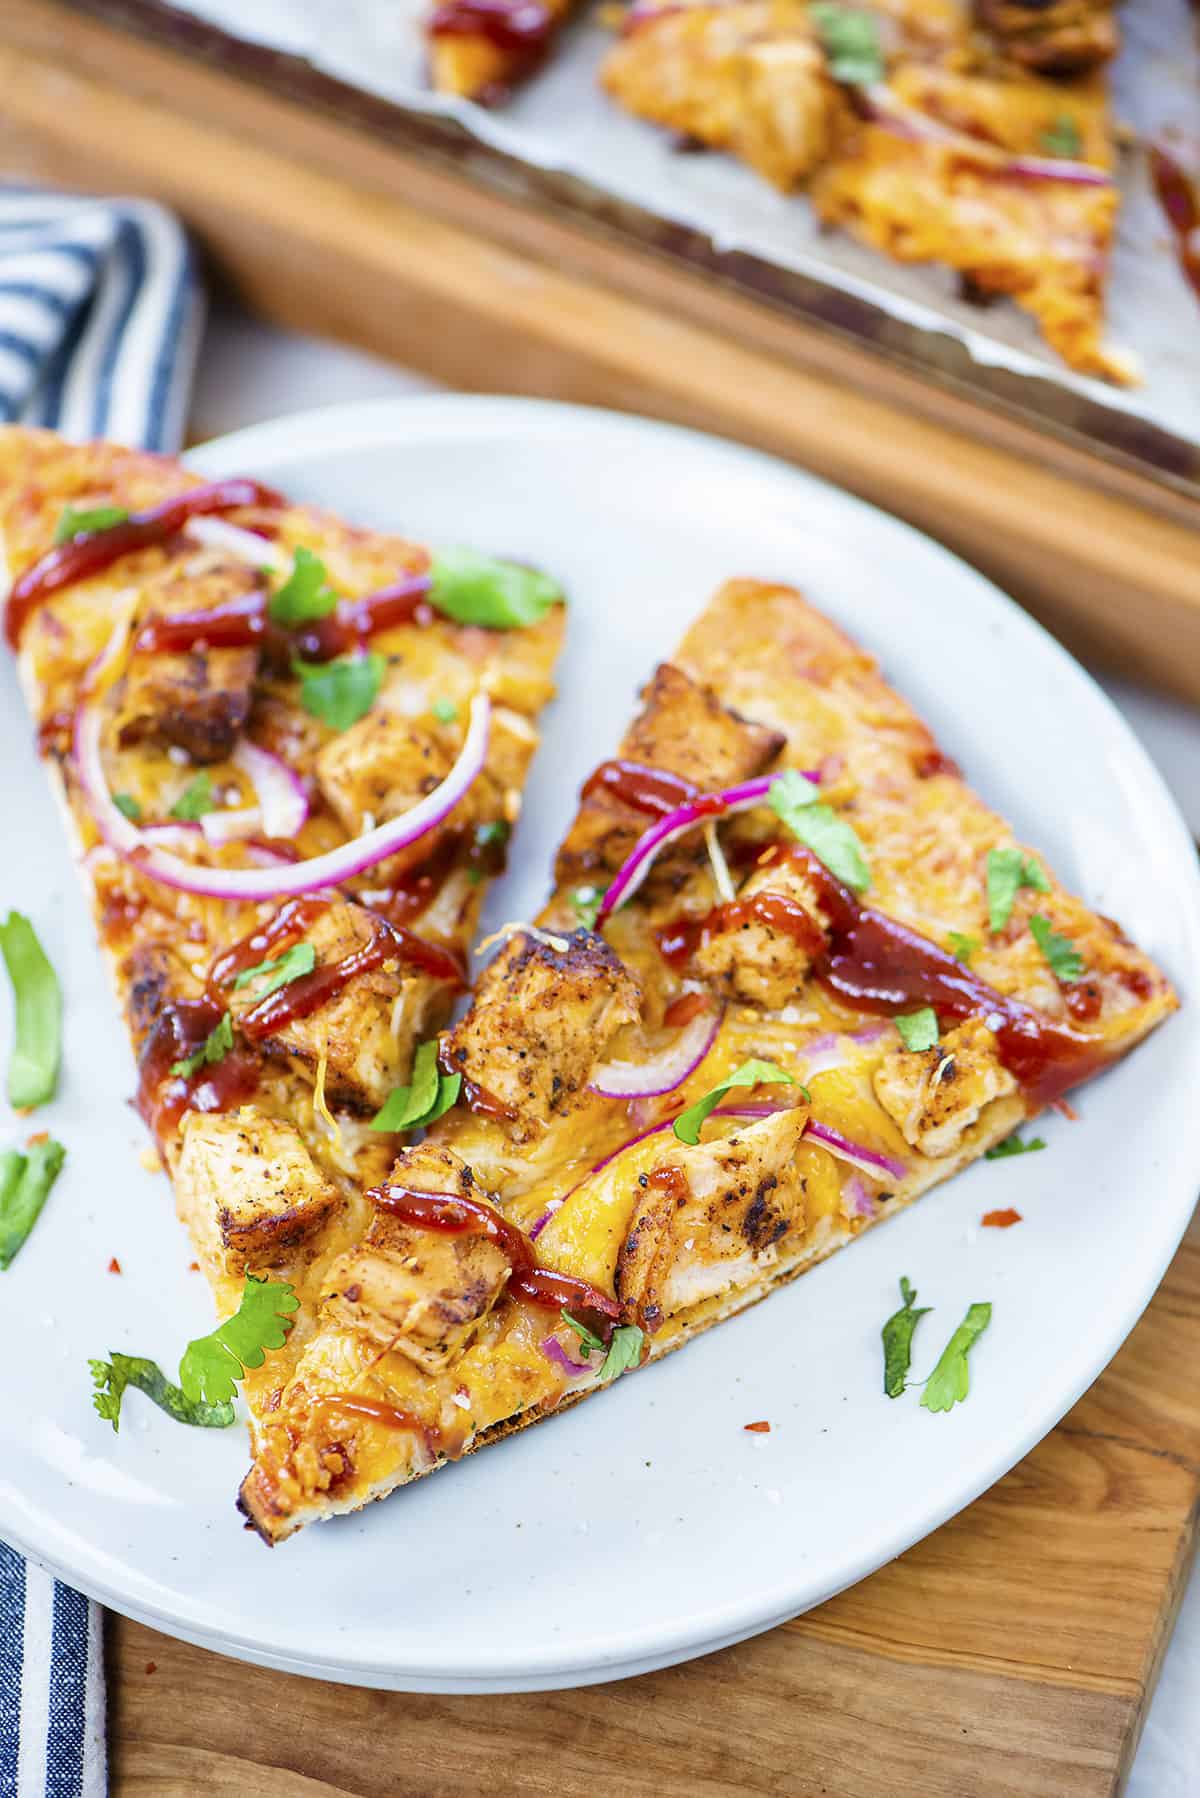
151 1666
193 1267
759 1429
1001 1220
38 1136
114 1266
1065 1109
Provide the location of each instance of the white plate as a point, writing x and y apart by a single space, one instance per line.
646 1526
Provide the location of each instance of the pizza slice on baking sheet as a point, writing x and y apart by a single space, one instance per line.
985 145
292 752
792 974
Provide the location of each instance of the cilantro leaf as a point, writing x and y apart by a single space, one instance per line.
1066 963
83 524
1061 138
215 1047
585 903
897 1336
196 798
624 1352
25 1182
427 1097
1013 1145
1007 871
213 1364
962 947
301 958
37 999
589 1342
501 596
950 1382
306 594
819 828
751 1073
128 806
850 41
919 1030
112 1377
340 692
444 710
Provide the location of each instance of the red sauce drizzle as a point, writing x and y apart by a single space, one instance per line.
460 1216
1179 197
377 1410
649 790
245 621
180 1029
874 964
234 624
308 992
88 553
354 620
672 1181
681 1011
522 27
1001 1220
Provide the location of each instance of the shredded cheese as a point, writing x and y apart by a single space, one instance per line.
559 944
319 1106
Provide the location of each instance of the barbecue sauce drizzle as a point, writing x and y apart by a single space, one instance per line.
90 551
652 791
872 963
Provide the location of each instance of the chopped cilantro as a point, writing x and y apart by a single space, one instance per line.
25 1182
751 1073
1061 138
84 524
213 1364
128 806
589 1342
949 1382
215 1047
818 826
501 596
37 998
850 41
897 1336
624 1352
306 594
585 903
340 692
919 1030
962 947
196 798
444 710
301 958
1066 963
427 1097
1013 1145
1007 871
112 1377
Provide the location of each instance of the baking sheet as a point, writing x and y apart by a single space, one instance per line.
561 123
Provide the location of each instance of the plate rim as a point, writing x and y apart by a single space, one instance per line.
294 438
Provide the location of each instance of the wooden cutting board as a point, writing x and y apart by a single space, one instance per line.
1011 1655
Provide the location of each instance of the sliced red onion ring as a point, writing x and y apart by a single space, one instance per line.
247 546
684 818
554 1351
888 109
319 871
857 1198
869 1160
282 800
646 1080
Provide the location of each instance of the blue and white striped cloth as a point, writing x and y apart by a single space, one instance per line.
100 316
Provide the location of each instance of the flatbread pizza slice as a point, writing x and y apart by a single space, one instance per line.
291 752
793 974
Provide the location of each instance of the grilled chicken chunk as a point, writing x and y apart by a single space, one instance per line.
369 1028
153 975
421 1292
539 1024
775 930
935 1095
710 1217
199 699
1057 37
684 730
248 1190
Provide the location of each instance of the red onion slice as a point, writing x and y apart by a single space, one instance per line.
282 800
319 871
648 1079
889 110
869 1160
648 846
246 546
554 1351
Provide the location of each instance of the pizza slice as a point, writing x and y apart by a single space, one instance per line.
292 753
792 974
923 135
482 49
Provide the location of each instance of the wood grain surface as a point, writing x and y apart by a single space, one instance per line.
328 227
1011 1655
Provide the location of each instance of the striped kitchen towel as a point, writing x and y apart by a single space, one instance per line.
100 316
